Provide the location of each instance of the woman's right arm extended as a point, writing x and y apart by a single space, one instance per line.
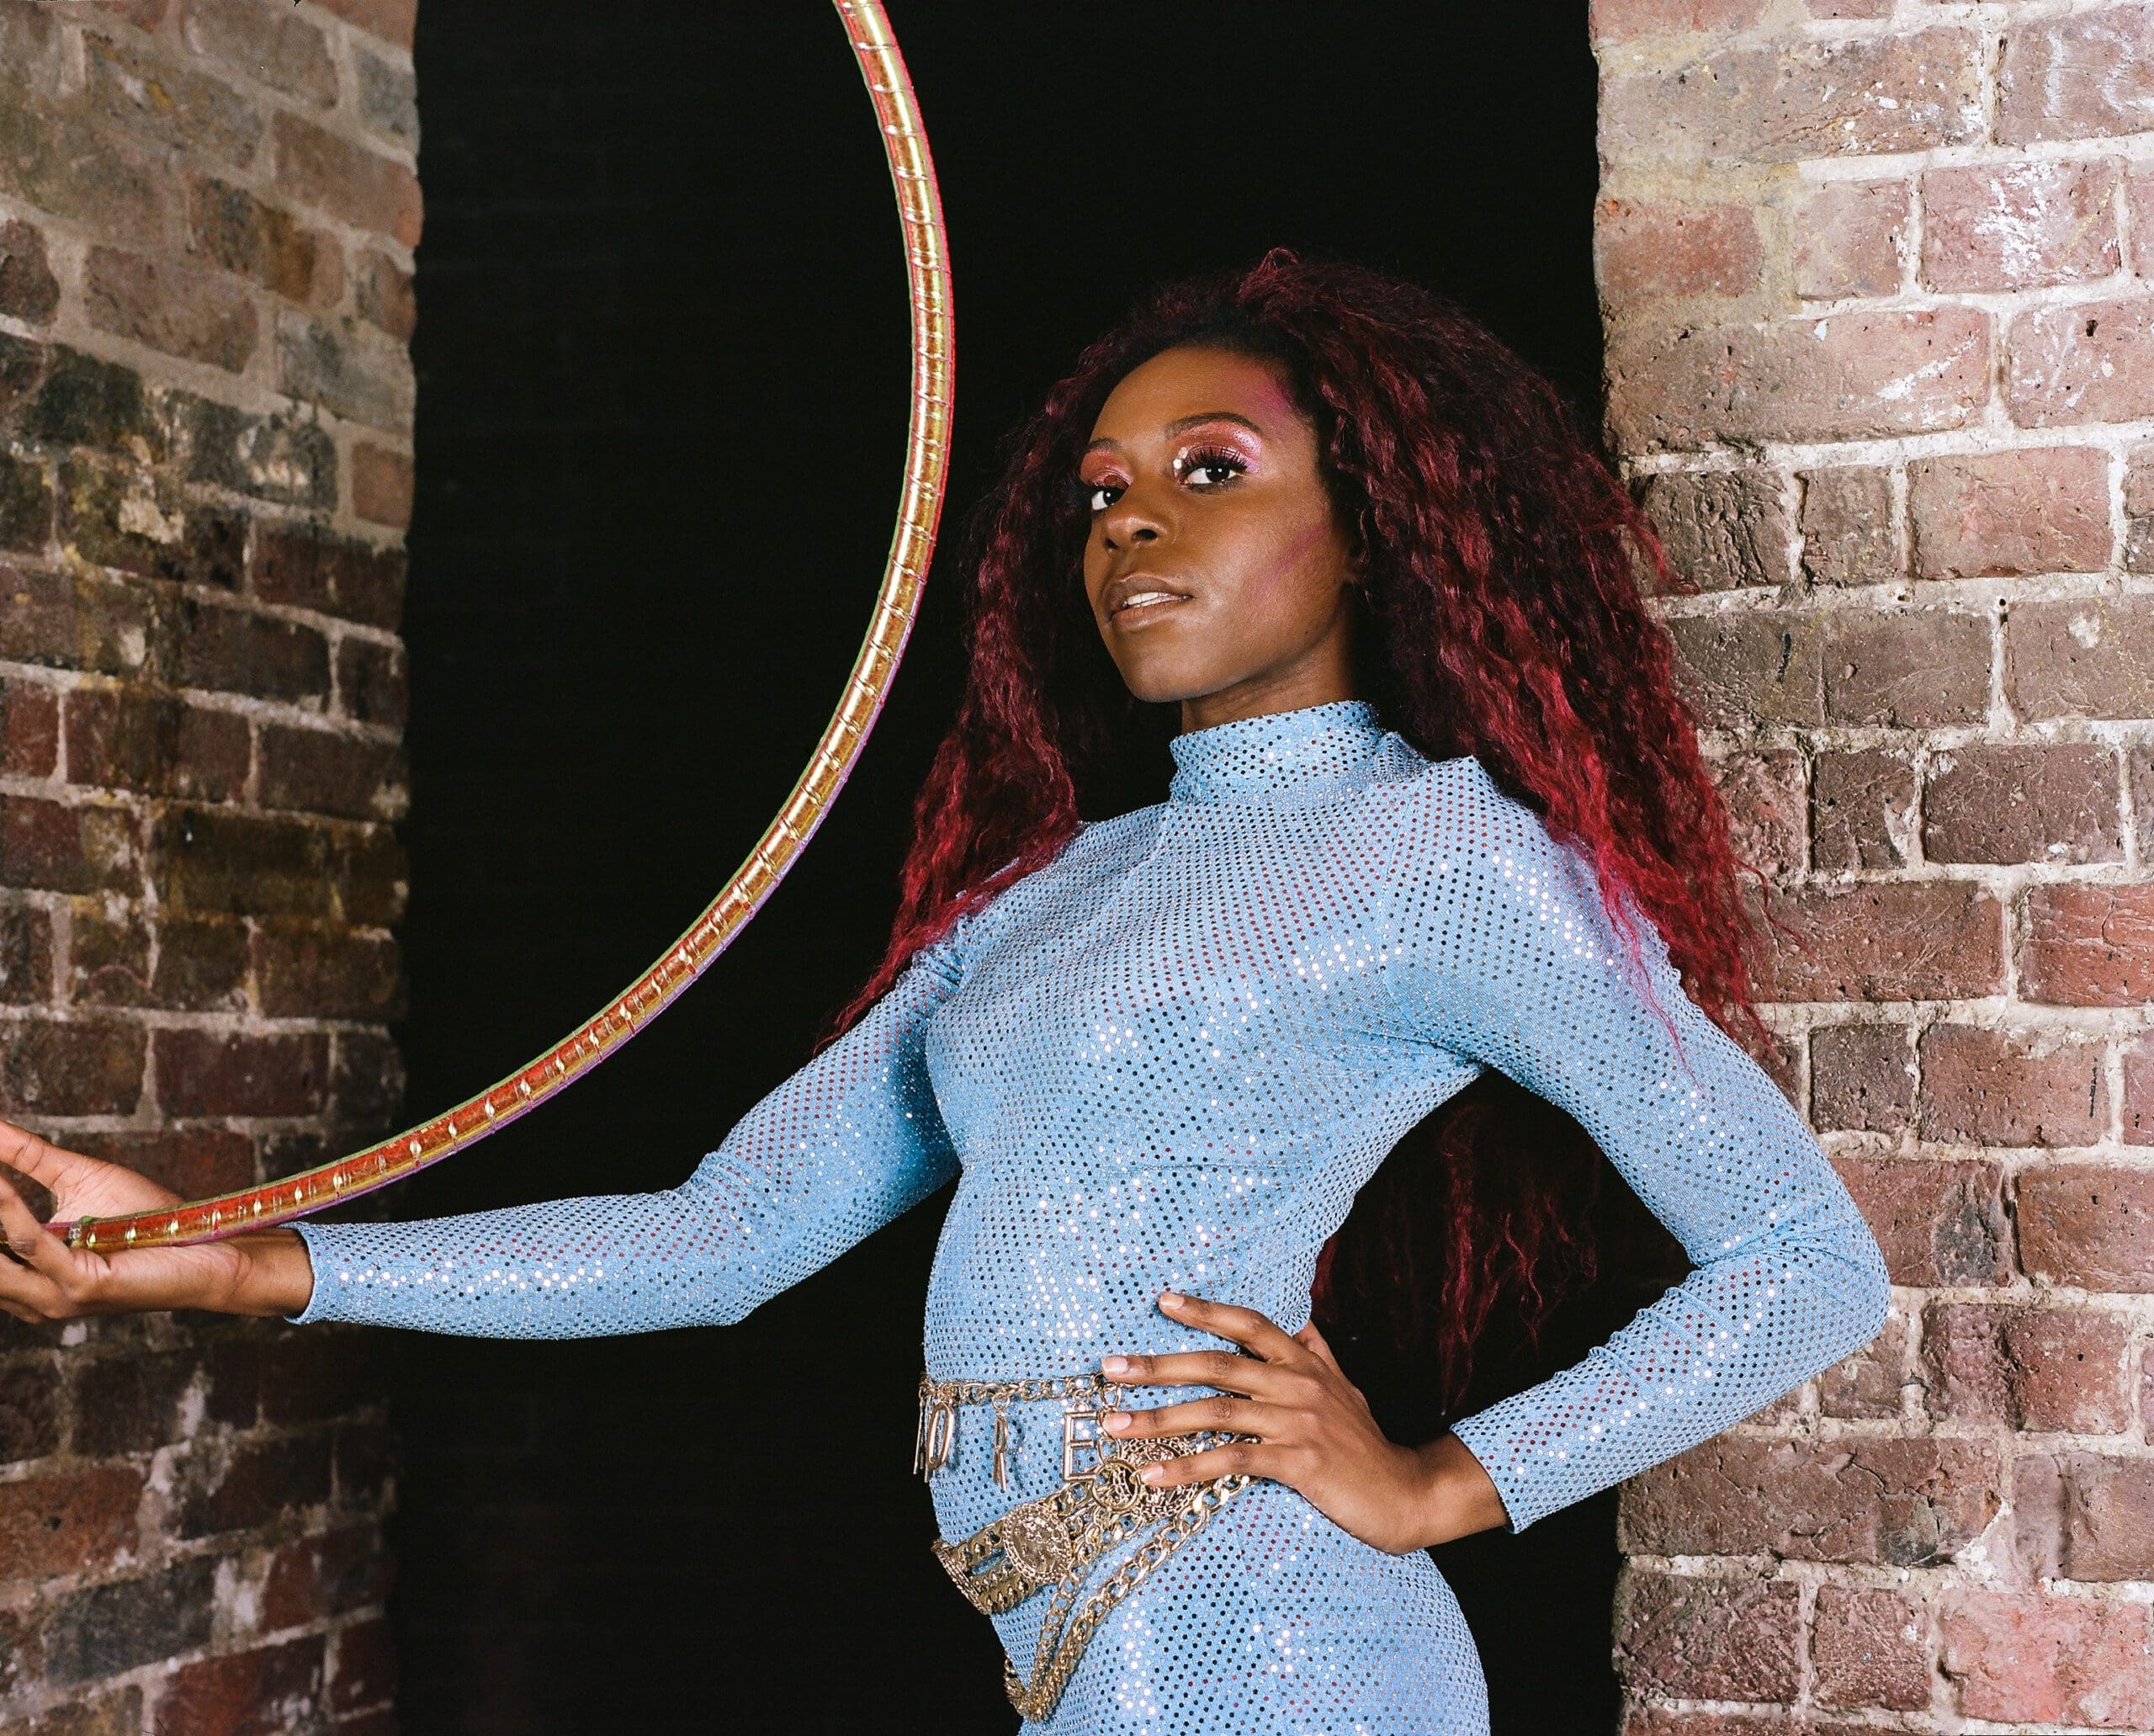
846 1144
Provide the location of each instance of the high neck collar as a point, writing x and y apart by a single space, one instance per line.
1279 750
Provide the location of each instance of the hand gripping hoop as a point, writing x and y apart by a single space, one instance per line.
920 507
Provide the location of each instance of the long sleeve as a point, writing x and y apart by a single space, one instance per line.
1506 955
846 1144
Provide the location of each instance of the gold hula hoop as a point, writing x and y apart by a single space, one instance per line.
920 507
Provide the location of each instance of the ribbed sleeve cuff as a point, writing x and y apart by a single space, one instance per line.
314 1237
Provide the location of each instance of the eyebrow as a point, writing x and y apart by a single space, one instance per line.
1181 422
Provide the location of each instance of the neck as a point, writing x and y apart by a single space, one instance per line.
1262 695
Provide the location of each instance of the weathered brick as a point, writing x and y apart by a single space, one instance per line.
2139 501
29 291
165 102
328 973
2027 1656
1787 101
1879 941
2008 803
304 565
206 860
30 728
1858 1499
2089 945
347 370
2080 656
263 1692
271 45
123 738
391 20
84 401
2016 226
143 524
2027 1367
340 178
26 505
373 682
237 650
105 1629
103 1715
382 292
2000 514
81 1067
323 772
366 1082
1867 1384
1862 809
1861 1077
288 458
31 47
132 1403
327 1574
216 1073
1870 1647
1721 529
364 1670
193 1162
1848 237
389 96
2086 361
1711 1639
1645 249
1846 376
1848 533
1736 666
55 847
2088 1224
2087 76
198 315
1939 1222
234 1484
2085 1515
1984 1086
372 876
381 485
29 1416
229 226
188 964
75 1521
108 957
25 954
53 160
1906 668
1764 795
1625 20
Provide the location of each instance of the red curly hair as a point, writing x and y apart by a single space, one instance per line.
1502 617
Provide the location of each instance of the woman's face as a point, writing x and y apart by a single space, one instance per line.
1202 480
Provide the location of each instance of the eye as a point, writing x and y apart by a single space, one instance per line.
1215 460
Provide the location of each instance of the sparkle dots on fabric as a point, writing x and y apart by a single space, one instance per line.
1169 1059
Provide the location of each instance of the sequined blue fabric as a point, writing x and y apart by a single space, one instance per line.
1168 1060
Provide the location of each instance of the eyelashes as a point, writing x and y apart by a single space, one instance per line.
1198 457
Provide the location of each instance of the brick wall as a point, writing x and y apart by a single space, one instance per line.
1876 276
207 214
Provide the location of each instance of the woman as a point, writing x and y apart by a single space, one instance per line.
1434 810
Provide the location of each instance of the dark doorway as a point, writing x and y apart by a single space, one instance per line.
663 369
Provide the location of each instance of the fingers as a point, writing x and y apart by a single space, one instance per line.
1227 1415
1314 1340
33 1157
1224 1369
28 1286
1245 1326
1250 1457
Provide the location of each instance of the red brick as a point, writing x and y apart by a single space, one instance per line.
2089 945
131 1403
2088 1224
342 179
2026 1657
382 293
347 369
1860 1499
1848 531
2086 361
1625 20
373 682
381 485
2000 514
26 505
120 518
165 102
29 291
198 315
2081 656
323 771
1861 1077
392 20
2139 486
327 972
1721 528
1650 249
1929 940
29 1420
1669 1721
1848 237
366 1082
325 1575
2018 225
364 1673
235 651
227 1485
57 162
25 954
2027 1367
1736 667
270 46
193 1162
125 739
373 878
1862 809
1710 1638
83 1067
1867 1384
2005 803
1788 101
1939 1221
215 1073
1845 376
211 861
1986 1087
1906 668
2139 1092
2087 76
231 228
298 565
55 847
75 1521
75 621
1764 795
29 729
1870 1647
265 1692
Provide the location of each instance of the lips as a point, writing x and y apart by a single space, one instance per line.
1138 597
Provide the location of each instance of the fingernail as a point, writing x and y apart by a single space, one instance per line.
1116 1365
1169 1298
1152 1473
1118 1422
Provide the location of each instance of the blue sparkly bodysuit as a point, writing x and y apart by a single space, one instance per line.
1169 1059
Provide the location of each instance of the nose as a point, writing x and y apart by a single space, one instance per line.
1129 522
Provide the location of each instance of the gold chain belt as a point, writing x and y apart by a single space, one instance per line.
1051 1540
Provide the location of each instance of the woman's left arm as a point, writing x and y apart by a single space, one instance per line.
1504 953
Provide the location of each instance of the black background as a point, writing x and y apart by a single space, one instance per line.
663 372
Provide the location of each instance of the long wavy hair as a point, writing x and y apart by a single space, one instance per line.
1502 616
